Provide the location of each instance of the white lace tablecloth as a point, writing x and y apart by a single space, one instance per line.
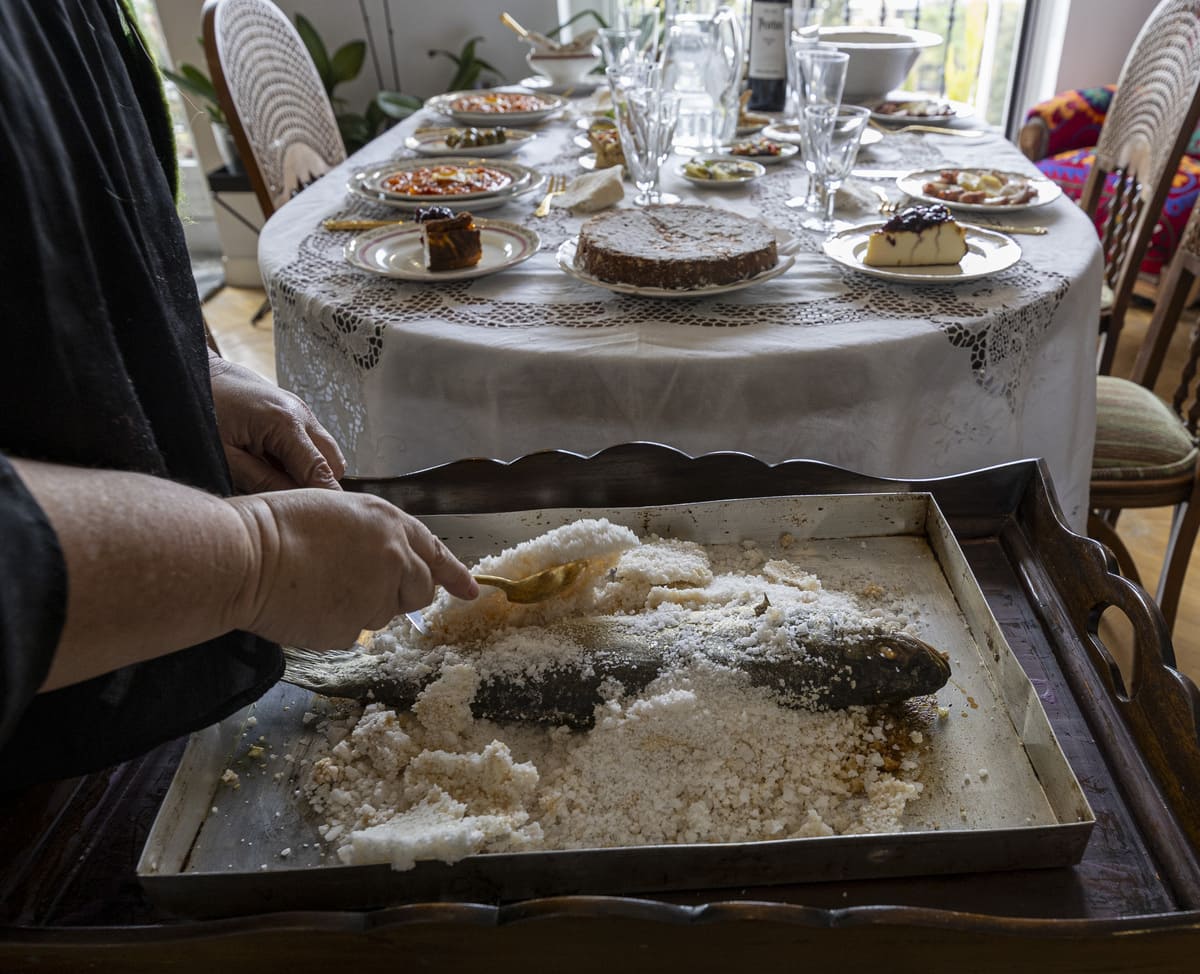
822 363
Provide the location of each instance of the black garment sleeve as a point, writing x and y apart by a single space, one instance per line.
33 597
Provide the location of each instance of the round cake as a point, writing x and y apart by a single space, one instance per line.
677 247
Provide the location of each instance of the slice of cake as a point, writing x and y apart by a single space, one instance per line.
451 241
919 236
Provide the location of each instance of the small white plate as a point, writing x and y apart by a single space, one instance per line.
988 252
790 132
432 142
539 82
444 104
749 171
914 185
786 151
957 110
566 261
750 123
397 252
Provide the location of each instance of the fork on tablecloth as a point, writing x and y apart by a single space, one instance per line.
556 185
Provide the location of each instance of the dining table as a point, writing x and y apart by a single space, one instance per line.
908 378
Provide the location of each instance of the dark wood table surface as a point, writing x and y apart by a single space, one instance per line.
70 899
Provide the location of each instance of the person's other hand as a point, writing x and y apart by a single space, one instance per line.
271 439
328 565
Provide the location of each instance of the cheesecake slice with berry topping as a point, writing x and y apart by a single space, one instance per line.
919 236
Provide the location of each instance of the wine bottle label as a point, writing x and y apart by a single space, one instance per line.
768 45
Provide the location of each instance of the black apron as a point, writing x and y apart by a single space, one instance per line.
102 364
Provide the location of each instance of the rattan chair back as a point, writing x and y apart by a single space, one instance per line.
272 96
1153 113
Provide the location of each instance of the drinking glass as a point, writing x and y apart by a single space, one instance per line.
646 118
820 72
802 30
640 16
833 133
619 45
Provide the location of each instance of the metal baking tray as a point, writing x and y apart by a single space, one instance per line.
999 795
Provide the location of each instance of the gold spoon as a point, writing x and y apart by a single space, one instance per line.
510 22
539 586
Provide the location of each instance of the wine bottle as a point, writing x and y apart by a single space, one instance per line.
768 55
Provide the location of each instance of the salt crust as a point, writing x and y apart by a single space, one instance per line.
698 756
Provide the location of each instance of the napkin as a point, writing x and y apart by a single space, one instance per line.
857 198
592 191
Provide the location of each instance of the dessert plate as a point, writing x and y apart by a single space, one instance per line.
566 261
1046 190
397 251
790 132
496 107
432 142
988 252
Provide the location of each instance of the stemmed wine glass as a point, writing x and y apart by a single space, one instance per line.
833 134
646 116
820 73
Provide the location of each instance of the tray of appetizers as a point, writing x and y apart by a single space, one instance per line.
447 181
904 107
980 190
468 141
493 107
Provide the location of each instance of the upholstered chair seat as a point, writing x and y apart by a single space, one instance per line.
1138 437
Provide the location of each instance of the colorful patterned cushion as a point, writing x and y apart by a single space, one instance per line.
1070 170
1073 120
1138 436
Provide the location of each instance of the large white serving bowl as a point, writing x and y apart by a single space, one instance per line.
880 57
564 69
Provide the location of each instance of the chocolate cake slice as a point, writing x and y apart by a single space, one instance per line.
450 242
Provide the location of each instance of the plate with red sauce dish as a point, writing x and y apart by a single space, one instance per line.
459 183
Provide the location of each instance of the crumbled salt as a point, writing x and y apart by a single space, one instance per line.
697 756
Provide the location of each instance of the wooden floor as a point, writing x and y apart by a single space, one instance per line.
230 310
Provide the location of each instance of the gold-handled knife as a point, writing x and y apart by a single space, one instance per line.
336 224
1009 228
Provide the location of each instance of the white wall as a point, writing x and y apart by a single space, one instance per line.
418 27
1099 34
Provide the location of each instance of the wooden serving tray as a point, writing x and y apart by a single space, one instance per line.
70 898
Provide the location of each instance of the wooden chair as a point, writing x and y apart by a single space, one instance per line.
1147 128
1146 451
272 97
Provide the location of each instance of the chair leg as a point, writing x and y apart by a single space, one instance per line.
1099 528
261 312
1184 524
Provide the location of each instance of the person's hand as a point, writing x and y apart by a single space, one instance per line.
271 439
330 565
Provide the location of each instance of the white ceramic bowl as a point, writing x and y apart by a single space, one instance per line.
880 57
563 69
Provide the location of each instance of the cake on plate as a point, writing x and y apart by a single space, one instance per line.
674 247
919 236
450 240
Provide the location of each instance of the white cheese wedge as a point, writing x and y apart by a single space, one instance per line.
939 243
